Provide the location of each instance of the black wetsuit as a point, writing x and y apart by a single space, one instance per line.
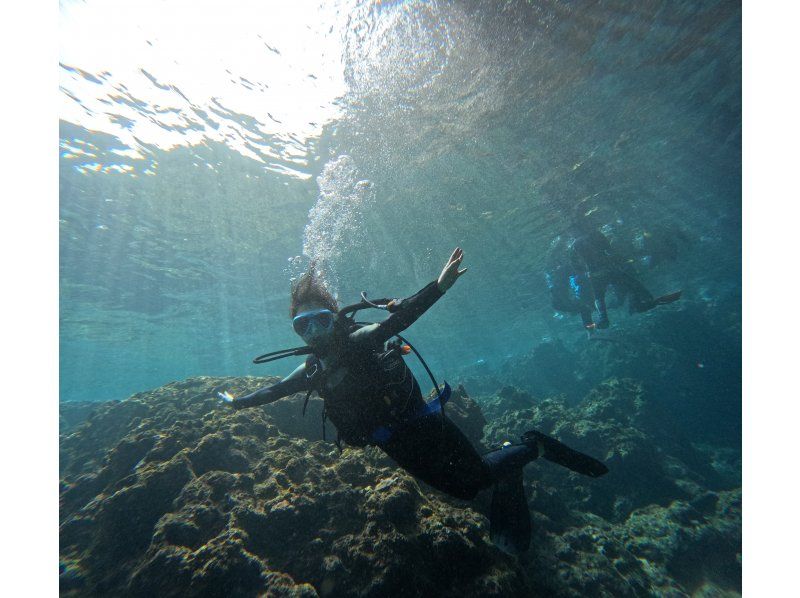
567 295
591 256
366 387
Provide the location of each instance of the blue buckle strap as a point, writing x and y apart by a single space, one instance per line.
382 434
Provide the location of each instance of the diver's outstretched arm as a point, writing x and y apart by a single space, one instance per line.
407 311
451 270
297 381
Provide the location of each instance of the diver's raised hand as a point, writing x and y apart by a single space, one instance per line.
450 272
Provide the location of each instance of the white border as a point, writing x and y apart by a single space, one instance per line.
29 250
770 291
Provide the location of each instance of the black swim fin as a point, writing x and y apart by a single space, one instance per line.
665 299
558 452
510 519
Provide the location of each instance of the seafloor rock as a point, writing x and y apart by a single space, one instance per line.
686 548
507 398
189 498
649 460
684 354
466 414
73 413
169 493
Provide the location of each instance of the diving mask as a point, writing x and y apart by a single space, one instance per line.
311 324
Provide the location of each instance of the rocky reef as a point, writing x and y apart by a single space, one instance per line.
169 493
73 413
689 359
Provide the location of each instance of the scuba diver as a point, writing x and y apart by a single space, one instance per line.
372 397
595 267
564 286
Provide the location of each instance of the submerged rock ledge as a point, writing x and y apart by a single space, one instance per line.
168 493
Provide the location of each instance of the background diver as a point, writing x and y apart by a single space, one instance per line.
372 398
579 283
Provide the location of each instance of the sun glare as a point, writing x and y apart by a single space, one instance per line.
262 77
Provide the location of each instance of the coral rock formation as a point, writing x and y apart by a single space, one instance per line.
169 493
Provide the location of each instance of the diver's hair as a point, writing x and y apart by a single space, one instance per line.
310 288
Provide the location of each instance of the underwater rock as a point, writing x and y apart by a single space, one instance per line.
682 355
225 502
169 493
466 414
73 413
673 550
507 398
650 461
693 542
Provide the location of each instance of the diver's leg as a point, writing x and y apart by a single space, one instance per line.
433 449
509 458
639 298
668 298
510 518
586 317
599 286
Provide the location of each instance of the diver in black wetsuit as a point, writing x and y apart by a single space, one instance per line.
595 267
373 398
564 285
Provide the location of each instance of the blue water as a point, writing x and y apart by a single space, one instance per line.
193 190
